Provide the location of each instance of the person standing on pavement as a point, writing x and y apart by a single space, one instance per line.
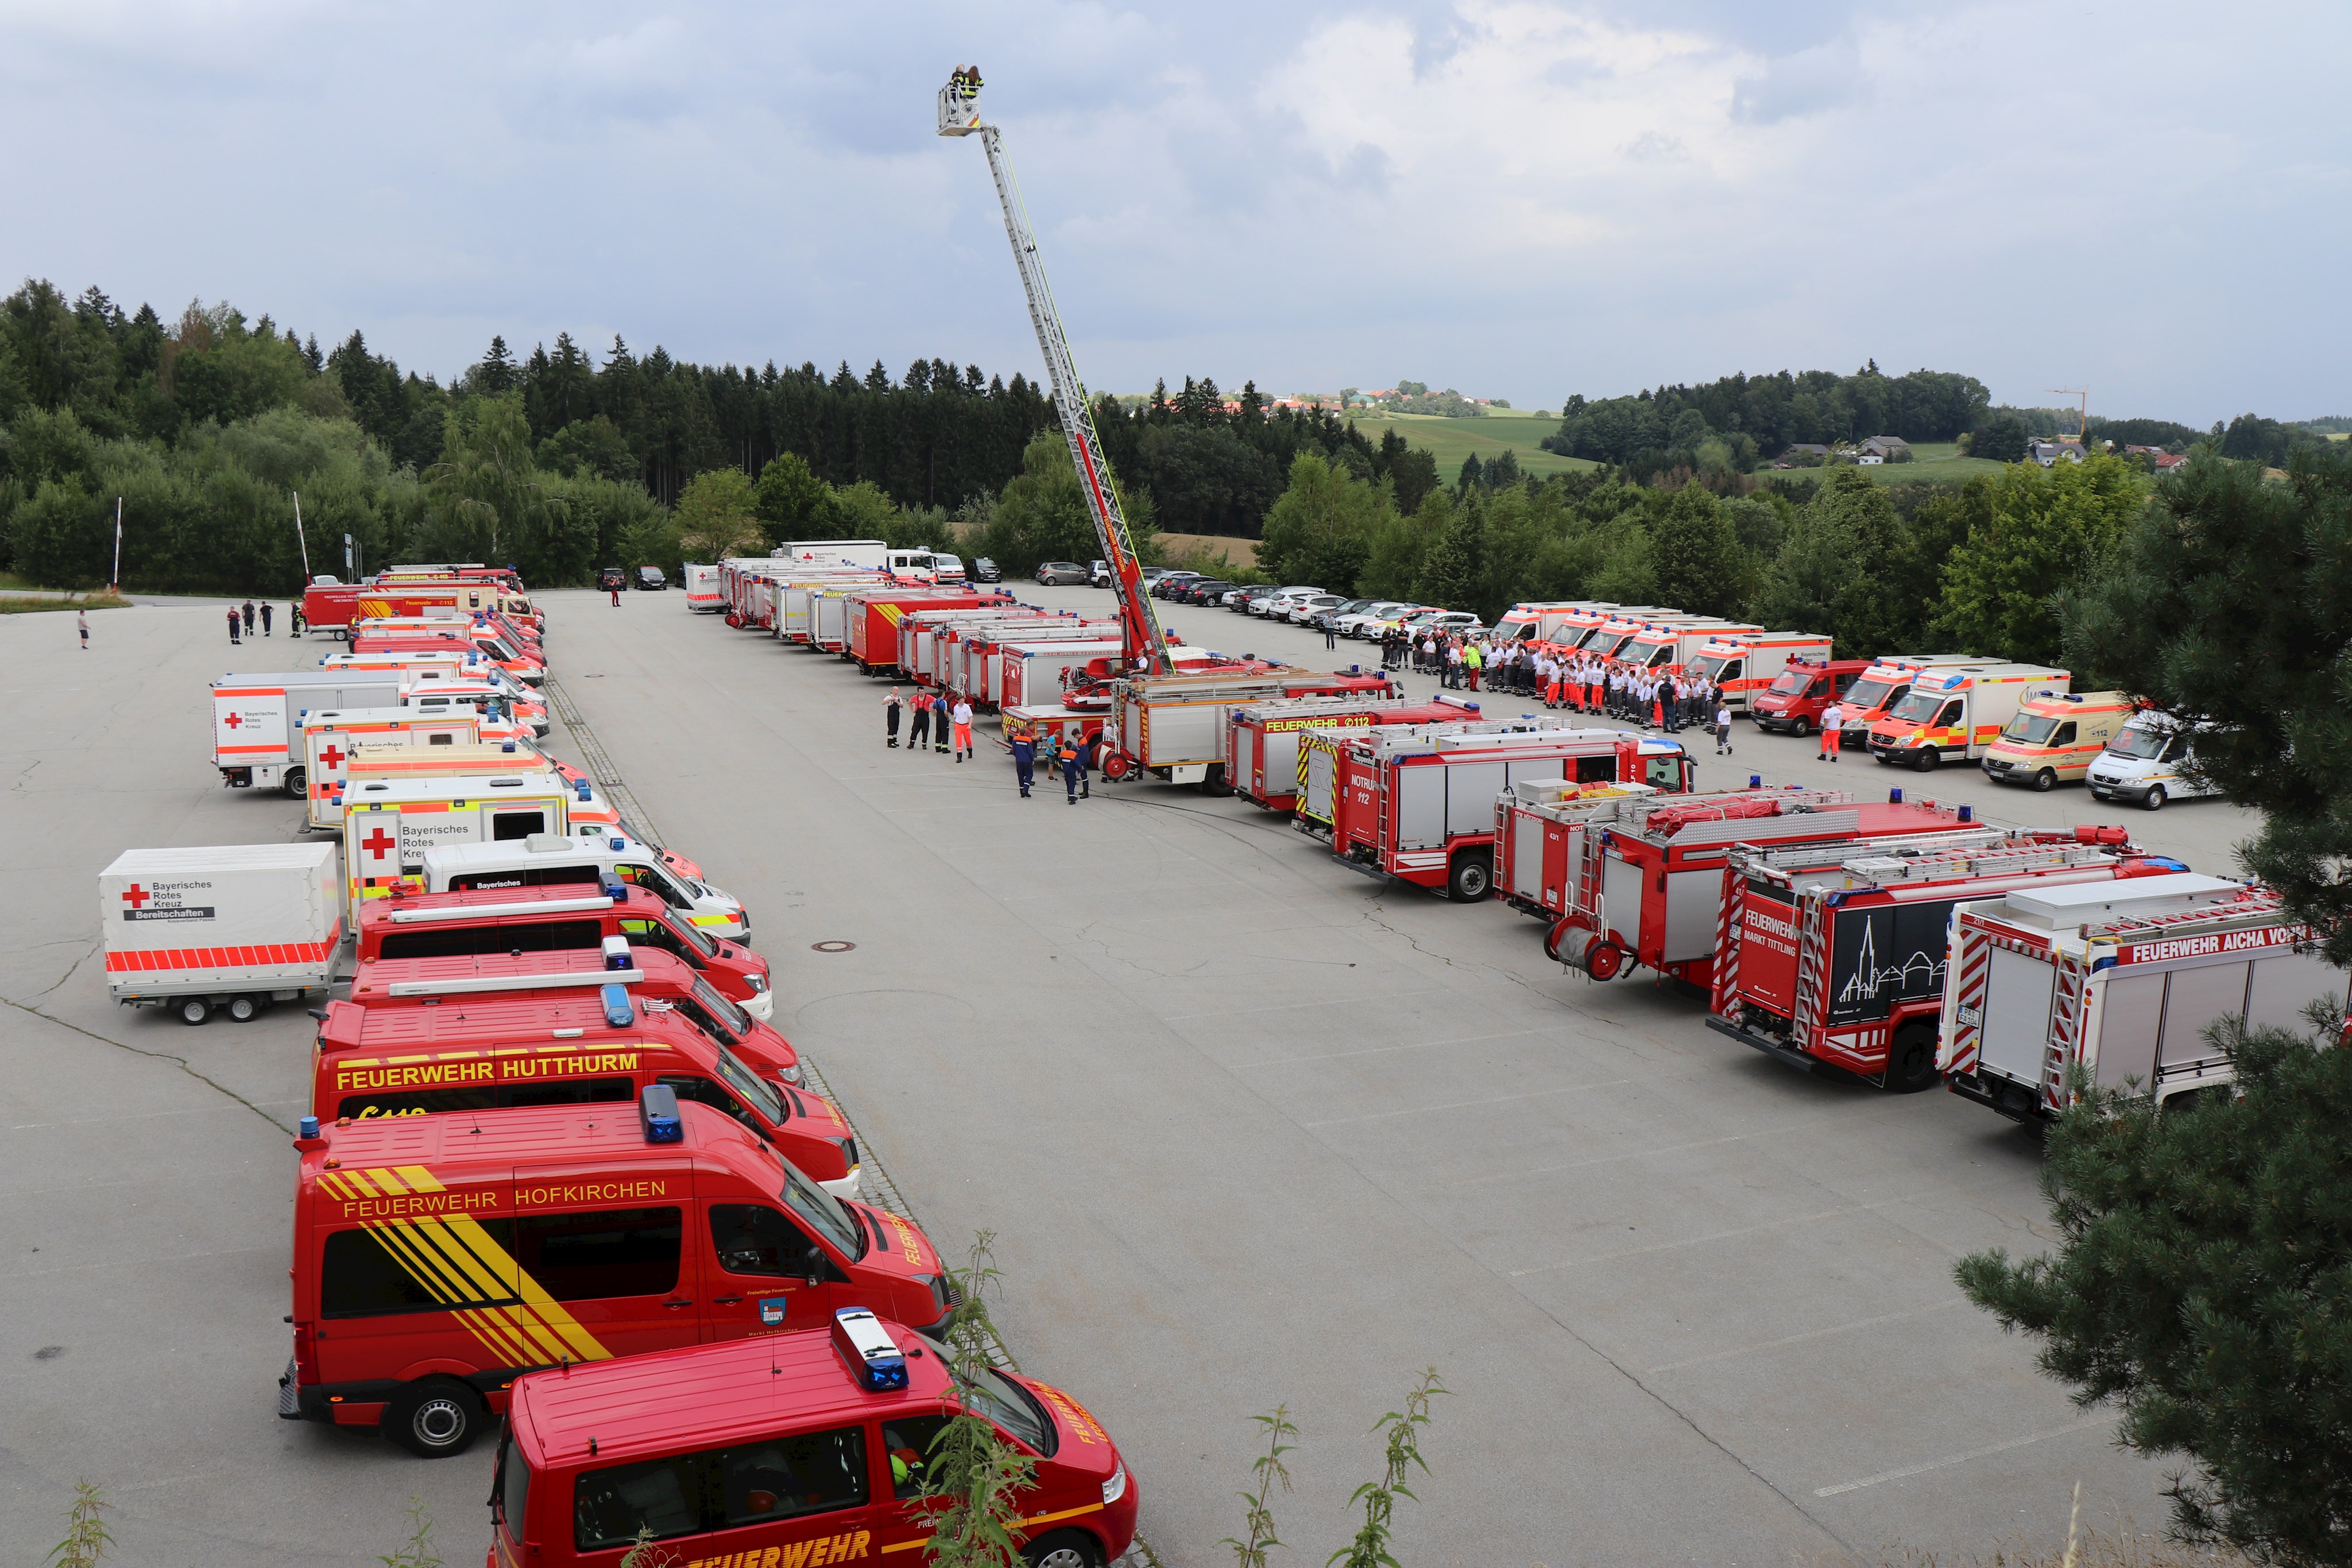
890 707
265 618
1723 729
82 619
233 624
1833 731
294 618
1330 633
1071 770
616 596
249 617
1024 756
1471 663
921 735
961 714
939 722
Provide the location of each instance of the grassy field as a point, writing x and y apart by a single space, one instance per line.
1932 463
1452 440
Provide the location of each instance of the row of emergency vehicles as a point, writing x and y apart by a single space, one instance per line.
2019 723
552 1125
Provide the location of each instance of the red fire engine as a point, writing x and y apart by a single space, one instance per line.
1261 754
1840 965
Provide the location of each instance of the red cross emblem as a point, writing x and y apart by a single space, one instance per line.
233 720
137 897
332 757
378 844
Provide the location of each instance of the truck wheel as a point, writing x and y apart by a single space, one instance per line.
1801 728
243 1009
295 782
2155 798
2044 781
195 1010
434 1418
1911 1060
1473 878
1929 759
1064 1549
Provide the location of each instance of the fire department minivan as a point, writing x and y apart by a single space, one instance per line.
504 1055
663 982
554 860
437 1258
552 920
786 1452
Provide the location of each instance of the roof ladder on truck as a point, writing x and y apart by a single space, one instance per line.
1146 644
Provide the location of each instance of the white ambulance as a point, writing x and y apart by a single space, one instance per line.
2142 765
556 859
389 825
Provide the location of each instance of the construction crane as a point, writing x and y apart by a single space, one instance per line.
2083 424
1145 646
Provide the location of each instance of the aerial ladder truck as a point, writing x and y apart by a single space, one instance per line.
1145 646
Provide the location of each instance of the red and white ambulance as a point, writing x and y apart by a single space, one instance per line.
437 1258
790 1451
1746 667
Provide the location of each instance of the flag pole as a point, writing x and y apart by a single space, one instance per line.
300 540
114 583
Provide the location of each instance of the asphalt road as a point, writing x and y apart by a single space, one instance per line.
1248 1128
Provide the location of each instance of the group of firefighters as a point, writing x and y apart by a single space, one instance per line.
240 620
1671 700
948 716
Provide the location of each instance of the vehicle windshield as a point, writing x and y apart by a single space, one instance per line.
1916 707
735 1019
828 1214
2032 728
2143 743
1610 644
1862 697
1712 666
1511 626
1787 682
1013 1407
1659 656
751 1091
703 941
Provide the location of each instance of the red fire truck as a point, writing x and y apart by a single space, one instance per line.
1417 803
484 1056
1841 966
787 1451
334 606
1649 889
438 1258
2120 982
871 633
1262 755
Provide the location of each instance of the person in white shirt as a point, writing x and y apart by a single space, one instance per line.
1833 731
1723 729
962 715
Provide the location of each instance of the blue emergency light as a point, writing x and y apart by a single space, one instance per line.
619 1011
658 1114
618 955
1968 813
615 888
1895 796
583 785
308 1127
873 1360
505 746
619 844
1755 781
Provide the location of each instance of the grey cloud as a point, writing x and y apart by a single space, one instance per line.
1827 76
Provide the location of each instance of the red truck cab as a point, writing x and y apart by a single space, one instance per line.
792 1450
439 1259
1796 696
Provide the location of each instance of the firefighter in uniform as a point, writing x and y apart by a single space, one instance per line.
920 735
1069 756
891 708
1024 756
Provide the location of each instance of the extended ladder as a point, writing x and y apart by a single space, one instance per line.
1146 647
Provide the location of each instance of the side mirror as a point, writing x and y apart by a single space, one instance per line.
813 1266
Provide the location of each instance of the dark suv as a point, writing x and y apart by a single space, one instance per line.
611 579
650 578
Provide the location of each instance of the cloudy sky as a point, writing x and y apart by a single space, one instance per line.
1518 200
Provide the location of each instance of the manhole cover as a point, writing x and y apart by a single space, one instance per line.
833 946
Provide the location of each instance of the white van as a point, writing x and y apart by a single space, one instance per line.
2142 765
545 860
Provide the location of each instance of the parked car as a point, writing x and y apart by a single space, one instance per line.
1151 576
945 568
1459 623
1303 611
1207 591
1055 573
1371 619
1233 598
1278 606
650 577
1099 575
612 578
1329 619
1255 602
986 570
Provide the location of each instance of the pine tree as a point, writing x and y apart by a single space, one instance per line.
2201 1281
2226 605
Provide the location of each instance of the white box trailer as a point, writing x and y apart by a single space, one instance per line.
233 926
2119 980
257 719
867 553
1024 674
703 592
